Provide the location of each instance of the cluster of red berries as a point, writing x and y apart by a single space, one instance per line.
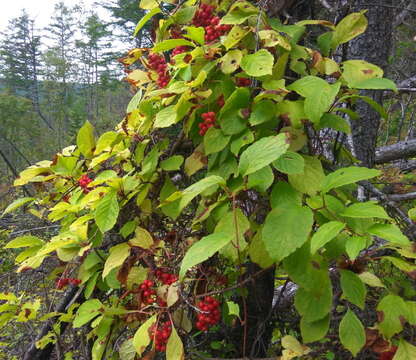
83 183
158 64
161 335
62 282
242 81
210 314
179 50
209 119
165 277
204 17
147 291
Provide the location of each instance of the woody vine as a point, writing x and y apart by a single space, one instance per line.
214 172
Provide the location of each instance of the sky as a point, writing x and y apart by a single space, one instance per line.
40 10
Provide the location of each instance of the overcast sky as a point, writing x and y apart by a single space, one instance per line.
40 10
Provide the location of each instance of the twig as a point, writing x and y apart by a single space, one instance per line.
34 229
236 286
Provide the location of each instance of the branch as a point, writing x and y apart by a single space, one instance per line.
400 150
33 353
407 82
403 197
405 165
404 13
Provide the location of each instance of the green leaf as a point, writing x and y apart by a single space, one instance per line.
325 234
184 15
141 338
239 13
314 331
236 34
243 139
390 233
166 117
16 204
230 62
258 64
215 141
365 210
145 19
286 229
174 348
262 153
118 254
406 351
178 200
87 311
392 309
376 84
351 333
86 139
318 93
233 309
196 34
107 140
315 304
24 241
354 245
107 211
171 44
349 175
321 101
203 250
258 252
235 224
263 111
356 71
290 163
335 122
283 193
349 27
310 181
353 288
261 180
173 163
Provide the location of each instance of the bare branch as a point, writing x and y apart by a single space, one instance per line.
403 197
400 150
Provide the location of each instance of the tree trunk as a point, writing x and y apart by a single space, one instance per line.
373 46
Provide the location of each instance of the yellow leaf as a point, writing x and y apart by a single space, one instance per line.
142 238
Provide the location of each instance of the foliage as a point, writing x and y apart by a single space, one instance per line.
145 227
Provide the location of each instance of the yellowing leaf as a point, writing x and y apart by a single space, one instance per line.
173 294
142 238
86 139
141 338
118 254
174 348
349 27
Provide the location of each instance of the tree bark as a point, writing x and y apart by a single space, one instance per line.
373 46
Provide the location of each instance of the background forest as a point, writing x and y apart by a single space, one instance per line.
54 79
